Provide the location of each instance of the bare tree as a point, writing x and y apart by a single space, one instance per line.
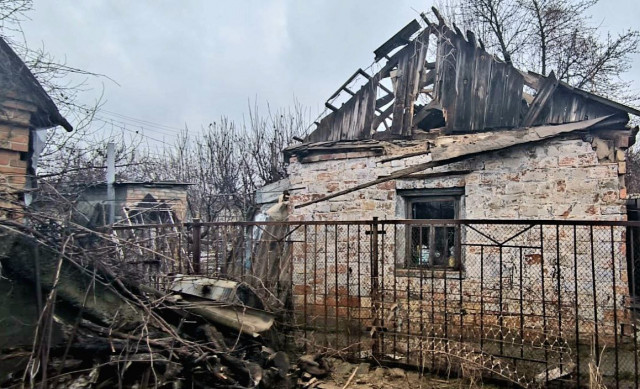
500 24
228 162
12 12
545 35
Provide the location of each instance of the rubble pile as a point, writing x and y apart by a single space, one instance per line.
94 329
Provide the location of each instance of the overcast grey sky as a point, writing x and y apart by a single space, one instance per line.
180 62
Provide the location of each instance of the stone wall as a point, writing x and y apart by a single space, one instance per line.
543 278
558 179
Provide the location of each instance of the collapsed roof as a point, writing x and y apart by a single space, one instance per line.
464 90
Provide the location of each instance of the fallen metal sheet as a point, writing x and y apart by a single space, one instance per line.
230 303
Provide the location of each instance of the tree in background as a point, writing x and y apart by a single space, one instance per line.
67 157
552 35
227 162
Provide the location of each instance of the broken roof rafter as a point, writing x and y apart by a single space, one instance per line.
473 90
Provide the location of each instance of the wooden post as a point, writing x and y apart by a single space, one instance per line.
196 245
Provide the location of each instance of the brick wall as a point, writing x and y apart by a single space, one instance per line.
15 116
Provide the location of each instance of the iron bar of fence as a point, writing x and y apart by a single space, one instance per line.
481 299
315 273
499 313
458 232
375 292
559 294
500 302
359 290
544 306
615 307
335 264
395 295
595 301
196 245
577 312
305 292
632 263
521 290
348 292
326 284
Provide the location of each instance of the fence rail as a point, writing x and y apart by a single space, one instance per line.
522 300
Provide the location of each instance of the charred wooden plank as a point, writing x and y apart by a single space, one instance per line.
330 106
438 16
446 73
358 72
384 100
544 94
427 78
481 82
514 83
495 96
532 80
352 120
465 74
415 71
425 176
398 39
400 93
382 117
426 20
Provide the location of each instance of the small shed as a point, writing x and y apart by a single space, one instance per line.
161 202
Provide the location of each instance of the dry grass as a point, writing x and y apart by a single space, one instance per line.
595 375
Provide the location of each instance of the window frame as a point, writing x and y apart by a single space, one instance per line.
412 197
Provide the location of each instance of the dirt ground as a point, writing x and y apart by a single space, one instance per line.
375 377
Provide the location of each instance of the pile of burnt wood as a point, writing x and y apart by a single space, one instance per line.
70 321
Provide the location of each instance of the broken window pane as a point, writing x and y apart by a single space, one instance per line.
433 245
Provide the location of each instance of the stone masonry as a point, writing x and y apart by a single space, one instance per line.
566 178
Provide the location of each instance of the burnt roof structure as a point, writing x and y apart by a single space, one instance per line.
464 90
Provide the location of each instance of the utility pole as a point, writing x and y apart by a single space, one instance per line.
111 179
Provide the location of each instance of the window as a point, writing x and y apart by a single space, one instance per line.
433 245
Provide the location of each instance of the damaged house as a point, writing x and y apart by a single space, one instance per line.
451 193
26 111
498 142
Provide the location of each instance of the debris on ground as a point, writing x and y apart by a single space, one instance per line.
99 329
334 373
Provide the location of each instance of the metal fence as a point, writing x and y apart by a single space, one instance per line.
531 302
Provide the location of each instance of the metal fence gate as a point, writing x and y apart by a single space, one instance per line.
531 302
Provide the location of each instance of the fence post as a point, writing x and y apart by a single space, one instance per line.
196 245
375 288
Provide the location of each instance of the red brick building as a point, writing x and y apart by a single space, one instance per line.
25 108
